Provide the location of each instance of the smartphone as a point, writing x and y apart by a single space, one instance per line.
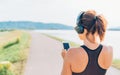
66 45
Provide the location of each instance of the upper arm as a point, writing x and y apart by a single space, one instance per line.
66 70
108 57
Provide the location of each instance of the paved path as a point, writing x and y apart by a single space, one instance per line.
45 59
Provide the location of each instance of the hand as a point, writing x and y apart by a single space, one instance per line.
63 53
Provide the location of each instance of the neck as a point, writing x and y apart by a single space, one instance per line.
91 45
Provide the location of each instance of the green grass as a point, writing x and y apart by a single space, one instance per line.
16 53
115 63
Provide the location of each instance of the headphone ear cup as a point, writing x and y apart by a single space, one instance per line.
79 29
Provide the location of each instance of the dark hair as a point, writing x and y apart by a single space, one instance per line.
94 23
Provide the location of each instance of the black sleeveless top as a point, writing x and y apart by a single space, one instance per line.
92 67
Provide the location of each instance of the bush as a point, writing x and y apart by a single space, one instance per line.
5 68
14 47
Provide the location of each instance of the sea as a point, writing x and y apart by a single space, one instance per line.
112 38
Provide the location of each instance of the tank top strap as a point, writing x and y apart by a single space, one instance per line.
96 51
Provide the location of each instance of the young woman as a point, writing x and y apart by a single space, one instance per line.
92 58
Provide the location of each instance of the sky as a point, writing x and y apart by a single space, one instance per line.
57 11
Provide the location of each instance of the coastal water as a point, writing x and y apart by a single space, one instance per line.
111 38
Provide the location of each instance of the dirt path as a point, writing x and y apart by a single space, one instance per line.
45 59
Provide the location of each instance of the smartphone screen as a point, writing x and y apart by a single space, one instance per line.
66 45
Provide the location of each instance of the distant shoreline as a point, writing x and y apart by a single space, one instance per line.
113 29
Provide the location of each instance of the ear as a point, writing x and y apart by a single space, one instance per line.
83 35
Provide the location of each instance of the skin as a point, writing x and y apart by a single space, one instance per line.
73 58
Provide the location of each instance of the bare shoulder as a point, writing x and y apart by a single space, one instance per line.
107 56
74 50
74 53
107 49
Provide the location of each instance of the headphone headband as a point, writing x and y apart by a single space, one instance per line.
79 18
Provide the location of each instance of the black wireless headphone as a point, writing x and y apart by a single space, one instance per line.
79 28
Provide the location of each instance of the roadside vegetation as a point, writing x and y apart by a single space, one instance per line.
116 63
14 48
